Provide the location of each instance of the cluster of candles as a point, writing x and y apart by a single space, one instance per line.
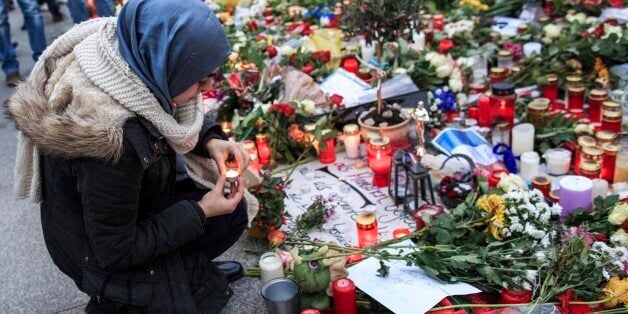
281 294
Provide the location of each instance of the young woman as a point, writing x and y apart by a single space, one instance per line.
102 117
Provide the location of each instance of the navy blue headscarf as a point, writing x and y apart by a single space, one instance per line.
171 44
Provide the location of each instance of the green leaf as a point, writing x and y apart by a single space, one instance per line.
383 270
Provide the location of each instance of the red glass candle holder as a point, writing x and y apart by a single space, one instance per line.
379 161
438 22
401 232
327 155
484 107
576 113
575 97
263 149
345 300
503 102
368 234
543 184
497 75
557 106
608 161
548 7
590 169
474 113
611 121
583 141
550 88
430 209
596 100
352 65
512 296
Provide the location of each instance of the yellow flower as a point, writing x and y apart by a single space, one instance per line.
618 214
618 288
494 205
620 237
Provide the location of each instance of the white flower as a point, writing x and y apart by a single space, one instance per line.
610 29
325 21
580 18
307 107
540 256
236 47
531 275
444 70
556 209
552 30
430 55
455 85
438 60
511 181
591 20
605 274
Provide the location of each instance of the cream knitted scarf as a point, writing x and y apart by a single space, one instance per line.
93 44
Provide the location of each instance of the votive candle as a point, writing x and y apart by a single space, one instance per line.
529 165
367 229
596 99
590 169
345 299
550 88
351 140
621 167
270 266
608 161
558 161
543 184
575 99
263 149
575 192
401 232
327 155
583 141
600 188
484 108
522 138
430 209
380 160
250 148
611 121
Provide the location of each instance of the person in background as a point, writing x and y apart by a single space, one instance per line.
53 8
36 36
79 9
102 117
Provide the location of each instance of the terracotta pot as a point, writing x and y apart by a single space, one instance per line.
396 133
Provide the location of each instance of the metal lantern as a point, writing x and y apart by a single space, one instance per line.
397 186
417 177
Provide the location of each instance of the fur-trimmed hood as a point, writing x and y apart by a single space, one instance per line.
72 118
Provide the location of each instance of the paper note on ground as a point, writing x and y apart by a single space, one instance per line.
406 289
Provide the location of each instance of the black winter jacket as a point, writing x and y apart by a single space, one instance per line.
113 227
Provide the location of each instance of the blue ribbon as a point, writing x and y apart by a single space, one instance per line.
505 151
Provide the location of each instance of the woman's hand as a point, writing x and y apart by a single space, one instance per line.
215 203
219 151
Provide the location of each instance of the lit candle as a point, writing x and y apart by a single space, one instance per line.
600 188
522 138
226 127
345 301
233 170
590 169
380 161
355 257
611 121
430 209
351 65
351 140
367 229
583 141
558 161
575 99
401 232
270 266
529 165
608 161
250 148
484 112
596 99
575 192
327 155
263 149
550 89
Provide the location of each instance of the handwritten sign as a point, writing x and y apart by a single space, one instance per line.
351 191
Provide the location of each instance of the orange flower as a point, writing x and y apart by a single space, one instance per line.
276 237
296 134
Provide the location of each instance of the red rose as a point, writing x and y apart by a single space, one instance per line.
252 25
260 37
445 45
616 3
326 56
336 99
272 51
276 237
285 109
307 69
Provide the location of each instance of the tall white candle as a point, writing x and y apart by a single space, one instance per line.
529 165
270 266
600 188
558 161
351 140
522 138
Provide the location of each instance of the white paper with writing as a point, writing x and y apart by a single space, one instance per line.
406 289
352 192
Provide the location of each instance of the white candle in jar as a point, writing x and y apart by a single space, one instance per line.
529 165
351 139
558 161
522 138
600 188
270 267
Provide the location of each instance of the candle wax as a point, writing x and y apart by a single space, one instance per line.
270 266
575 192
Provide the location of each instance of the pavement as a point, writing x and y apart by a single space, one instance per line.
29 281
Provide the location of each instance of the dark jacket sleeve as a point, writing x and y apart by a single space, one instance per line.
210 130
110 196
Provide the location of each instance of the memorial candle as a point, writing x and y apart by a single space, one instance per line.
250 148
429 209
590 169
400 233
550 88
345 300
263 149
611 105
484 108
438 22
327 155
600 188
503 102
575 192
576 97
380 161
351 65
529 165
351 139
522 138
608 161
603 137
583 141
596 99
366 223
558 161
270 266
543 184
611 121
621 167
